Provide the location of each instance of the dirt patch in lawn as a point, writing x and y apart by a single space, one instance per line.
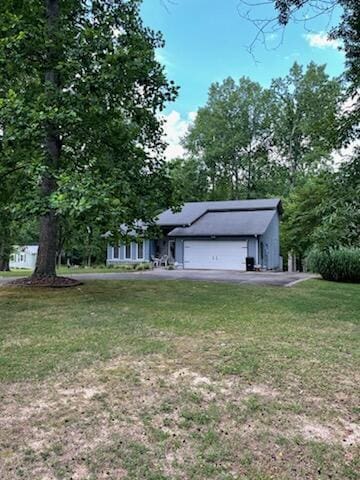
160 418
339 431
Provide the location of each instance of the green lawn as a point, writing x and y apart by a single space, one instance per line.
180 380
22 272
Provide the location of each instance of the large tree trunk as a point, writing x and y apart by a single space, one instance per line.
4 265
4 257
5 247
46 259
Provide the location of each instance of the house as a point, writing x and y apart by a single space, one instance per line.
211 235
24 256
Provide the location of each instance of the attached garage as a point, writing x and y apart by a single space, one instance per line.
215 254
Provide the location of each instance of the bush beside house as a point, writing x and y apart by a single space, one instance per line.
338 265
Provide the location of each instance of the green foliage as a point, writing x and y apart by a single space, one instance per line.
255 142
140 267
229 137
348 32
340 209
85 79
189 179
324 211
302 215
305 118
339 265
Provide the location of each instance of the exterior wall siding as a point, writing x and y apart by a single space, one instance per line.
25 260
271 245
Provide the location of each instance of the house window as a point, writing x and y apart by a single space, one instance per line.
140 250
128 251
21 257
116 252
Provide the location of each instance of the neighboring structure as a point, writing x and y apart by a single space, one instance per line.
24 256
211 235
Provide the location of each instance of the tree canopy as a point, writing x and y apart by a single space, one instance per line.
80 92
254 141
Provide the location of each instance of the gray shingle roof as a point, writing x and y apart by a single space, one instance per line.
230 223
193 210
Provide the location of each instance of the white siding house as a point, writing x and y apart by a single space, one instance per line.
24 256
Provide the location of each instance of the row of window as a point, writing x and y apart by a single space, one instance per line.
128 250
18 257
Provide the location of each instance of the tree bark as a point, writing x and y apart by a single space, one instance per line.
89 246
4 257
248 189
46 259
5 246
292 155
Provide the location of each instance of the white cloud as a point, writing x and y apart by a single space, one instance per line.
292 56
175 128
321 40
162 58
192 116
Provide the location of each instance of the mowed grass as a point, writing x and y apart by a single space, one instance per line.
169 380
25 272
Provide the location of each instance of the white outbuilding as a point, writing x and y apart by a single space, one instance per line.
24 256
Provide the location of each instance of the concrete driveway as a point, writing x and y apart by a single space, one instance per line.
280 279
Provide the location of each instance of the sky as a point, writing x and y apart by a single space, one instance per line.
208 40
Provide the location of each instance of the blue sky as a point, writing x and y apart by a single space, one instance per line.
206 41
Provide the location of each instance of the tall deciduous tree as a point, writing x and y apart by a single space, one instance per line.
189 178
324 211
305 120
340 209
302 214
258 142
83 90
347 32
230 135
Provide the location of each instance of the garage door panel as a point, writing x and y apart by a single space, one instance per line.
217 255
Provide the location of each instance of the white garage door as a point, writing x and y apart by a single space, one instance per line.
215 254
